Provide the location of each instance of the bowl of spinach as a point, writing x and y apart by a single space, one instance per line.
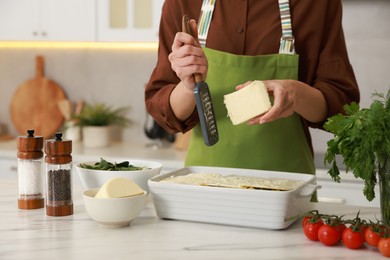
93 174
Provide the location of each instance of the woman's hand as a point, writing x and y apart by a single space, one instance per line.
291 96
187 57
284 93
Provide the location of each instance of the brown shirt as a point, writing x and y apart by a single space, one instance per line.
252 27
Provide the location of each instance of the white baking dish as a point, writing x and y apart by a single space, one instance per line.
266 209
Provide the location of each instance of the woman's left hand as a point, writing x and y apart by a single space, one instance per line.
292 96
284 93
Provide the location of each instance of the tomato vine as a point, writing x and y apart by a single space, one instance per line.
353 233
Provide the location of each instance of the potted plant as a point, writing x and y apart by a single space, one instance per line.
362 139
95 121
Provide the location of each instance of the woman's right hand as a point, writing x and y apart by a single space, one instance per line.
187 57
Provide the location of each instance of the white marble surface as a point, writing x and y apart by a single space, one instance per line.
30 234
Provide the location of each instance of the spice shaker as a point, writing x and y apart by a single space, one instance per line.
58 160
30 171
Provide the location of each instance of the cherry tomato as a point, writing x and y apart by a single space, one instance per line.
329 235
371 237
313 216
352 239
304 220
384 246
363 228
311 229
341 228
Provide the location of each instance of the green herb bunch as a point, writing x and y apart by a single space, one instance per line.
362 138
100 114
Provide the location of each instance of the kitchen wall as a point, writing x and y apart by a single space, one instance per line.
117 77
367 32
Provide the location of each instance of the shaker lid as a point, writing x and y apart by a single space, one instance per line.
30 146
58 150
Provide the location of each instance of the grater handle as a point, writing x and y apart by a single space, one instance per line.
185 24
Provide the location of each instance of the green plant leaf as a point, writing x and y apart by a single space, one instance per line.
362 138
100 114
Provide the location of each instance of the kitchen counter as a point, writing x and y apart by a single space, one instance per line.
31 234
116 149
349 191
170 158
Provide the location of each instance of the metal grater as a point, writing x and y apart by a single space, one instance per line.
206 114
203 101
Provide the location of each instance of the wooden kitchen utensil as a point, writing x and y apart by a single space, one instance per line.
203 101
65 106
35 104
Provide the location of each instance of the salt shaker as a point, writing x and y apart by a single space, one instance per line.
30 175
58 160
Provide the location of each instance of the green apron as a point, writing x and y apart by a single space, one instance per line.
280 145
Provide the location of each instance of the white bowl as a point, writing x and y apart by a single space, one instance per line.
91 179
113 212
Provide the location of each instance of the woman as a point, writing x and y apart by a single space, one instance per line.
304 65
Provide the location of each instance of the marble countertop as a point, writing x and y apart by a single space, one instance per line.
31 234
173 159
170 158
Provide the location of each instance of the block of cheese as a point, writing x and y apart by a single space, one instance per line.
248 102
119 187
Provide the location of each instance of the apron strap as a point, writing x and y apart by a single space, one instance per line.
205 19
287 40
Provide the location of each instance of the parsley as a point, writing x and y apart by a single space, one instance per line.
362 138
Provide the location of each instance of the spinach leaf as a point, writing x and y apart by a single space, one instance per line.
108 166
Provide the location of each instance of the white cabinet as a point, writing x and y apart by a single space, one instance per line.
128 20
48 20
80 20
349 191
19 19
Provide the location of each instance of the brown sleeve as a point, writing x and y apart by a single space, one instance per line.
334 76
163 79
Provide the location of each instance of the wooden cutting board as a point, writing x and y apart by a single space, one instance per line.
34 104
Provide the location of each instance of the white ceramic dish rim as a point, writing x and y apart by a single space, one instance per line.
278 209
305 189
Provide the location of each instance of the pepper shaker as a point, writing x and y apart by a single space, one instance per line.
30 171
58 160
